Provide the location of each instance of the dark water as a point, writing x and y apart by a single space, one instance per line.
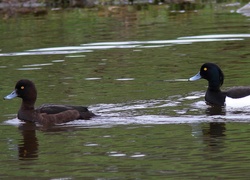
131 68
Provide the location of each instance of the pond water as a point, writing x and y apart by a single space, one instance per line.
131 68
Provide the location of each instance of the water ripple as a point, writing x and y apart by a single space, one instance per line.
90 47
188 109
28 69
35 65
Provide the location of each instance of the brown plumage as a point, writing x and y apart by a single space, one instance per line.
47 114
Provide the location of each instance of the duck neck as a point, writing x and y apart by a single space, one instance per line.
214 86
28 105
215 97
216 81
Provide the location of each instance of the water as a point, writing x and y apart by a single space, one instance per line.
130 68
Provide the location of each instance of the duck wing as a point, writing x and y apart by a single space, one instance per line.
58 118
55 109
238 92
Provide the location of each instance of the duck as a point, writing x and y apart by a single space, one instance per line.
46 114
214 95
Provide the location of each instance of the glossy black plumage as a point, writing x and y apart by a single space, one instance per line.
215 77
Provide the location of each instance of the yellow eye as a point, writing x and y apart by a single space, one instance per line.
205 69
22 87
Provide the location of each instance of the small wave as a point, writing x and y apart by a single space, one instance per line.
91 47
188 109
13 122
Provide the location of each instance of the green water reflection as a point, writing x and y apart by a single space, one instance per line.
125 77
213 151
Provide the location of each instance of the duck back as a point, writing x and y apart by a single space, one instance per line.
238 92
55 108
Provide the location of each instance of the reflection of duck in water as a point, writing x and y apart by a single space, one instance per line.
215 110
212 134
213 137
29 143
214 96
28 146
215 130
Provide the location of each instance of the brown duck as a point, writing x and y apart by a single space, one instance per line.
47 114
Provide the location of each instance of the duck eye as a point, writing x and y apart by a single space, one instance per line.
205 69
22 87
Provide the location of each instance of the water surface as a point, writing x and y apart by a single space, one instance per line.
130 68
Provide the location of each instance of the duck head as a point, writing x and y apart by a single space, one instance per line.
212 73
24 89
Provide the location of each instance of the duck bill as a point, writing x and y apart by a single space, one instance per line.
195 77
11 95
